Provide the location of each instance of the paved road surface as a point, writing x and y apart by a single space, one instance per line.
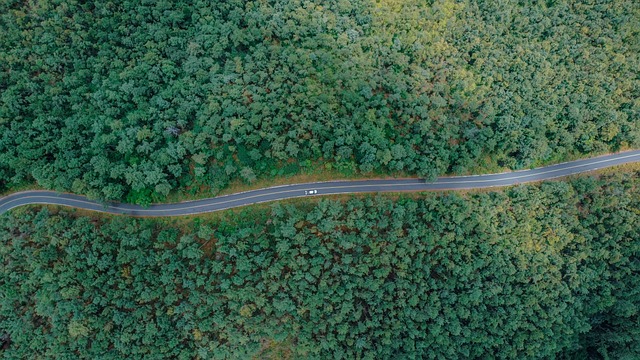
322 188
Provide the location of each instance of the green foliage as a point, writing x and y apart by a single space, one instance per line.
111 98
537 271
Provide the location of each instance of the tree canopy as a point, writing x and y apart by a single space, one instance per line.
132 99
537 271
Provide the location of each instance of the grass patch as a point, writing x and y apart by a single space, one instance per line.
624 168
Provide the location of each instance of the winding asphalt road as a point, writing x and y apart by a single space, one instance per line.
322 188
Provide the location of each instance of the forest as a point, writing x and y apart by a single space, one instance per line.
536 271
131 100
138 101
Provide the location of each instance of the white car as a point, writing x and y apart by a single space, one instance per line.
310 192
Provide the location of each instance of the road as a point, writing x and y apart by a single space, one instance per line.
323 188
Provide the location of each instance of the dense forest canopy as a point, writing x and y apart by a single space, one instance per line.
538 271
132 99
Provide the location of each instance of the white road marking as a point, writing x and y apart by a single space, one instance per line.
214 202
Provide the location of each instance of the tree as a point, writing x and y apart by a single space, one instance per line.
536 271
107 99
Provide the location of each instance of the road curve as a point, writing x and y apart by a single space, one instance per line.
323 188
